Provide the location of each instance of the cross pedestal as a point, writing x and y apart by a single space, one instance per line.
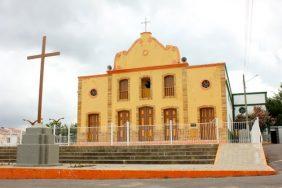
38 148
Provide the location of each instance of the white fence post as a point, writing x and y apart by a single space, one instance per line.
69 134
217 129
21 136
127 133
170 131
10 131
54 133
112 134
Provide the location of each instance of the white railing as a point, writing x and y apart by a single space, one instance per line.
239 132
130 134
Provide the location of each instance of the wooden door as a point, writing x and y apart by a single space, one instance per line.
206 114
93 127
170 115
146 121
207 127
123 118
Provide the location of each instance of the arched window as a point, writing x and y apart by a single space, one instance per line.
169 85
123 89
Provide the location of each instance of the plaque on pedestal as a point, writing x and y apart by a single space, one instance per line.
38 148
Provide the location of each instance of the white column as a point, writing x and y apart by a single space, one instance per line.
170 131
127 133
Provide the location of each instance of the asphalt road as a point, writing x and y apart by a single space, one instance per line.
273 153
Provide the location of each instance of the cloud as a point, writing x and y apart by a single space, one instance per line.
89 33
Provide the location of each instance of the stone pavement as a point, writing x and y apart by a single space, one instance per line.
273 154
229 182
240 156
231 160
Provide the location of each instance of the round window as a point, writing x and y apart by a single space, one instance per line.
93 92
206 84
145 52
242 110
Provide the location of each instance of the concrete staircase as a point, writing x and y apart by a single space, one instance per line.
156 154
8 154
161 154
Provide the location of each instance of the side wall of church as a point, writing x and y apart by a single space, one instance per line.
92 104
200 97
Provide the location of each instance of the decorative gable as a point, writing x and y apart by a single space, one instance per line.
146 52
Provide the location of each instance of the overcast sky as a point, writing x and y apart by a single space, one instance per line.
89 34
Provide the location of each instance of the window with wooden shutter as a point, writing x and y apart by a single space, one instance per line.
123 89
169 86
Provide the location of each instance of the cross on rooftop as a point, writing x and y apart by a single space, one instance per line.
145 23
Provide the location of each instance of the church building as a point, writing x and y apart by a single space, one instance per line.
149 87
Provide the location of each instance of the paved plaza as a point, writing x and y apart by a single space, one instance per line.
232 182
273 152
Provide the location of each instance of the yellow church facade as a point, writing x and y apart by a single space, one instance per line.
149 87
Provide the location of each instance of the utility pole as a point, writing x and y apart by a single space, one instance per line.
245 98
246 107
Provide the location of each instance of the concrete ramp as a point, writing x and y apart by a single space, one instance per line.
243 156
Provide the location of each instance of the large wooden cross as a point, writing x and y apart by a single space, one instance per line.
42 57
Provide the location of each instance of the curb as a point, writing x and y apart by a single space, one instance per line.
49 173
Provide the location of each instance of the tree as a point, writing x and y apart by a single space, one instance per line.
259 112
274 107
263 116
60 129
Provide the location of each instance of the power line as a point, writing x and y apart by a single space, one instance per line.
248 32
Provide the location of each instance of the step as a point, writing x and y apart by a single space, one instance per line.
137 147
139 150
7 160
135 153
198 161
140 157
134 147
156 154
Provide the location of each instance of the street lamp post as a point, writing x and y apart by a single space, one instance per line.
245 97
